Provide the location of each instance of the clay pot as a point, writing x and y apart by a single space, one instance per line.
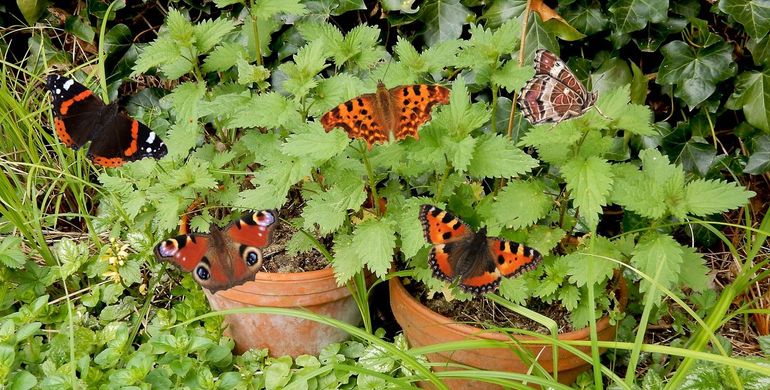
316 291
423 327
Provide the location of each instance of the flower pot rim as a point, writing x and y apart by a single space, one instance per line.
460 328
324 273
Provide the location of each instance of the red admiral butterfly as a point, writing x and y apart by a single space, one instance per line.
554 93
80 117
223 258
476 260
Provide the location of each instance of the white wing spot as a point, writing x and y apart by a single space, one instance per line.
149 149
68 84
151 137
58 91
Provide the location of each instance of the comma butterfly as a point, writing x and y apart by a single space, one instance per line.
396 112
476 260
554 93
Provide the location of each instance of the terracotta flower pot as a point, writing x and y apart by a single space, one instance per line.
316 291
422 327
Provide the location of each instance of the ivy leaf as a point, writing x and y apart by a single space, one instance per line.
538 37
403 6
496 156
588 19
660 258
704 197
633 15
754 15
521 204
760 50
752 94
697 156
759 160
695 71
589 182
11 255
444 20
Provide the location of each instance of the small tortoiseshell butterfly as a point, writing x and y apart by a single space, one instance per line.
554 93
477 261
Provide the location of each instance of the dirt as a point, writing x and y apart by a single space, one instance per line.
482 311
279 261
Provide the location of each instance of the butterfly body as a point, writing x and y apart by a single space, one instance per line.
225 257
387 114
472 259
554 93
115 138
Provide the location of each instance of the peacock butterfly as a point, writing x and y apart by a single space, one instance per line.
223 258
477 261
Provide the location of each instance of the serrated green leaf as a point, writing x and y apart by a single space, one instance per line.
496 156
660 258
521 203
374 241
704 197
554 143
591 264
589 182
515 290
267 110
695 272
11 254
347 261
224 57
248 73
269 8
752 94
511 76
633 15
754 15
314 143
210 32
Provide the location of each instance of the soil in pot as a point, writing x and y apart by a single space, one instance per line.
423 326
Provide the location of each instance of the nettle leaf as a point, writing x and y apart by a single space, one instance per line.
633 15
270 8
496 156
329 35
347 261
360 47
249 74
659 257
173 51
375 241
632 117
269 110
511 76
334 90
590 264
589 182
695 273
704 197
460 152
11 254
461 117
409 227
210 32
658 189
521 204
752 94
553 143
224 57
308 61
313 142
328 209
695 71
754 15
444 20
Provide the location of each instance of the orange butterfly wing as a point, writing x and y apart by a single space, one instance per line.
400 110
359 118
413 106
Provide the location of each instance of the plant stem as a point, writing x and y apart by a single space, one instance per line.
594 337
101 55
440 187
255 32
372 182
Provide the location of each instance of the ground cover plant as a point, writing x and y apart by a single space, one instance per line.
667 171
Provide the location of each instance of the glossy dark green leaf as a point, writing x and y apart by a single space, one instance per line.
502 11
588 19
752 94
563 30
760 50
650 39
754 15
118 38
697 156
538 38
638 85
759 160
80 28
99 8
686 8
444 20
695 71
32 9
348 5
612 74
406 7
633 15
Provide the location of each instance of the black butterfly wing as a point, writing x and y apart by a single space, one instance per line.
77 111
124 139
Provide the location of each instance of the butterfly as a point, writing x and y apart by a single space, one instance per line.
396 112
477 261
554 93
80 117
223 258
